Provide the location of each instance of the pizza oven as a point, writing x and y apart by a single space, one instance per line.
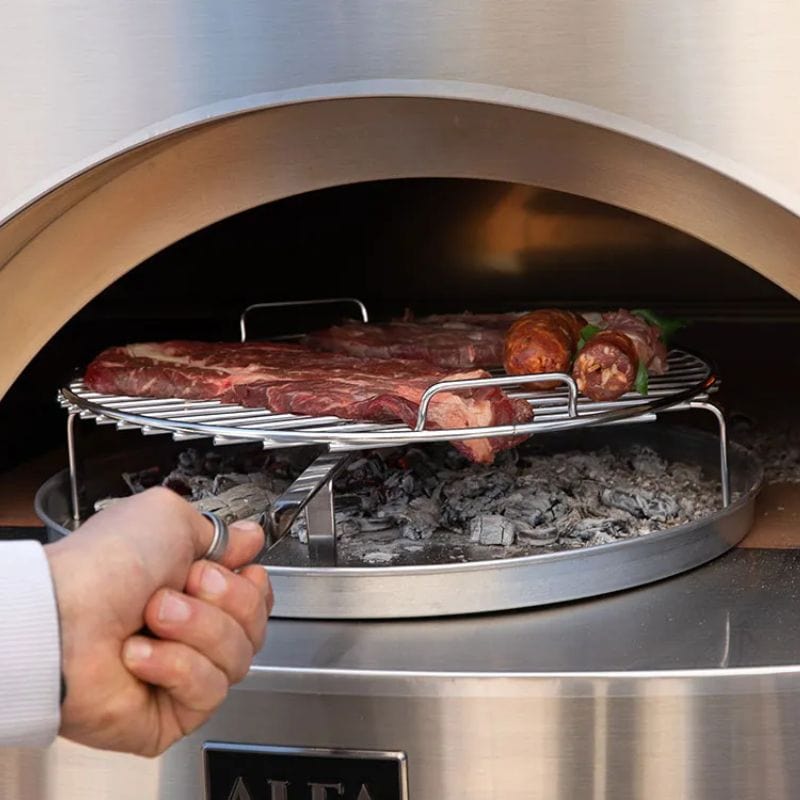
258 171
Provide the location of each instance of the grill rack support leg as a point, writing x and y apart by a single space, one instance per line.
724 469
321 527
72 461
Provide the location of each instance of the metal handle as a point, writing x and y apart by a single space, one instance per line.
286 304
504 380
280 517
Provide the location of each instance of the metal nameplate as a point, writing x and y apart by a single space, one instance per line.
262 772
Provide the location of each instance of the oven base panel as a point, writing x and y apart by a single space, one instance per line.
688 689
697 737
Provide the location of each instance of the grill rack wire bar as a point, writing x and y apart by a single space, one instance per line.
686 386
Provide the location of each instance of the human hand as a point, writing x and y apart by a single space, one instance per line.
135 564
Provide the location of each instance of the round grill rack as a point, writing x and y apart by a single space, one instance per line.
687 385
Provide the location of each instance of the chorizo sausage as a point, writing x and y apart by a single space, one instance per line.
606 366
542 341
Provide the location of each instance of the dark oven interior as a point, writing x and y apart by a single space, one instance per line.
431 245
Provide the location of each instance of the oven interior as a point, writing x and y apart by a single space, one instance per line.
432 246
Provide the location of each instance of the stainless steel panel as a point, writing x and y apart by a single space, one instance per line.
686 689
715 78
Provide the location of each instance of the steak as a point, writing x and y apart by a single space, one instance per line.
290 378
452 341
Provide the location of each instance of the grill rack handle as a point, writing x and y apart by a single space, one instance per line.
312 493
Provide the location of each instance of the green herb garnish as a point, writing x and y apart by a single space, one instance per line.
587 333
668 327
642 379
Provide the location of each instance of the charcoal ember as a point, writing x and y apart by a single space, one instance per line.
488 484
686 473
400 485
367 471
492 529
347 525
602 537
646 461
588 528
190 461
299 529
540 535
537 506
198 486
227 480
420 519
372 524
212 461
179 484
641 503
243 501
423 466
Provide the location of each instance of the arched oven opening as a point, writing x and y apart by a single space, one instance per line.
426 246
324 200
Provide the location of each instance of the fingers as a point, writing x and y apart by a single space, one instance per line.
245 543
247 597
190 677
200 625
246 537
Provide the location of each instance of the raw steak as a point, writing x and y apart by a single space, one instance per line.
454 341
452 346
288 378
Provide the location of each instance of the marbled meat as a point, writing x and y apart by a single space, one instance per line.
288 378
452 345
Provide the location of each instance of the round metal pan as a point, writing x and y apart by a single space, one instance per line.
432 590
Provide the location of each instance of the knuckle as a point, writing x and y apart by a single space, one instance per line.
182 667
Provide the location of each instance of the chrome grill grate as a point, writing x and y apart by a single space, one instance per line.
689 377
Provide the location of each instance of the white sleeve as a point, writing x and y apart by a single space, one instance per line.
30 648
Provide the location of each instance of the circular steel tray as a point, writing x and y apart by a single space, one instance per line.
431 590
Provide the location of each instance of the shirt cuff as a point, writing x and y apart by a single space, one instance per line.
30 648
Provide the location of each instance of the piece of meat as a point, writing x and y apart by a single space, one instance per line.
288 378
542 341
646 338
453 346
500 322
606 366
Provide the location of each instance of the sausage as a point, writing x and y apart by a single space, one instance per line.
645 337
606 367
542 341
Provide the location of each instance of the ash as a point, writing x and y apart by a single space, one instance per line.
410 505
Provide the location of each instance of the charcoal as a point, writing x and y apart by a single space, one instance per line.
492 529
178 484
648 462
539 536
227 480
590 527
190 462
420 519
529 500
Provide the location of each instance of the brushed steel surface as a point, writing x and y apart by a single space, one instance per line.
687 689
430 589
91 74
83 236
684 112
